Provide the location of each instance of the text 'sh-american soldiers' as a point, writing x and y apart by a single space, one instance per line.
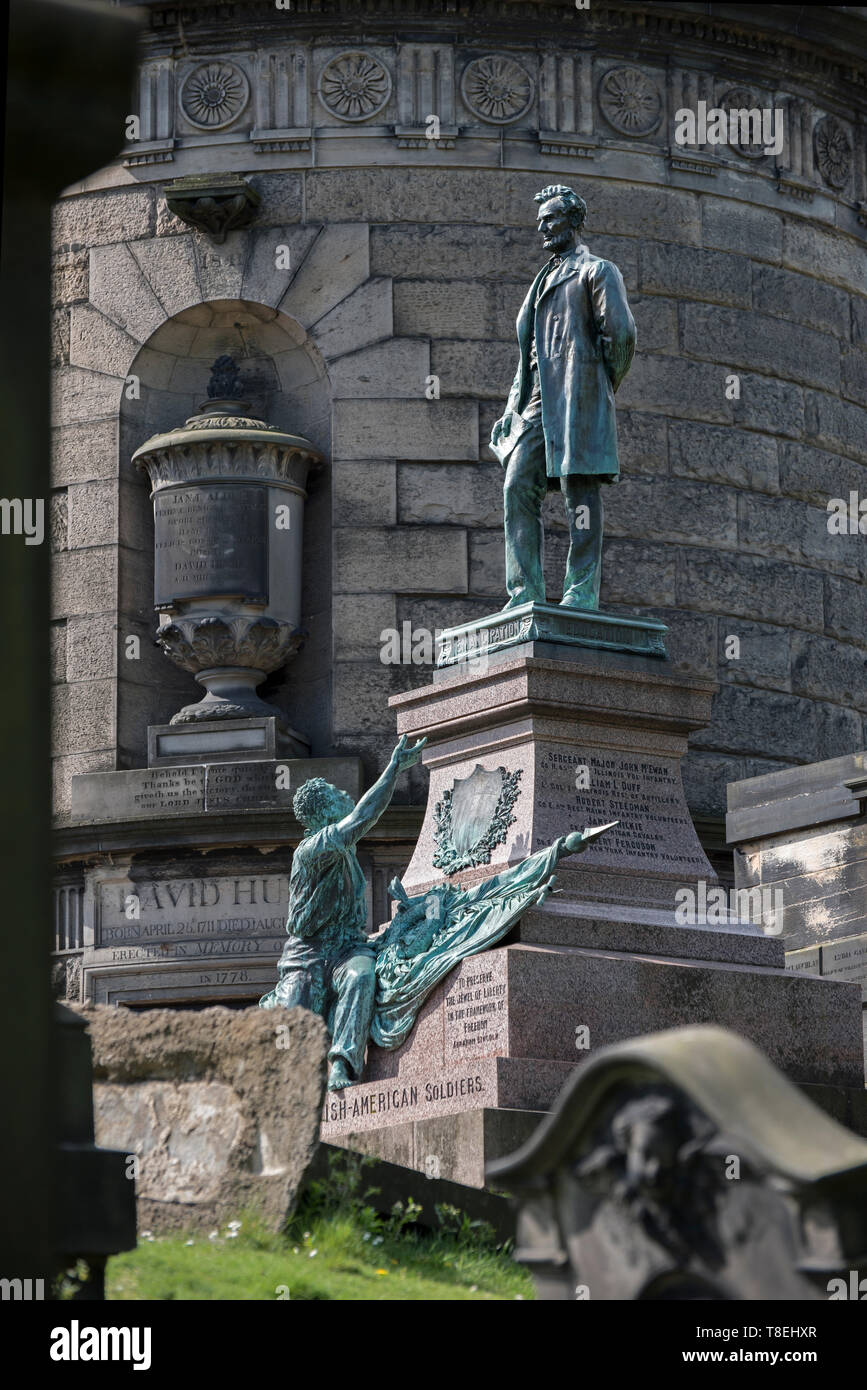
576 338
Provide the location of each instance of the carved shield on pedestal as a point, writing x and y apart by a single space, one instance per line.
473 817
474 802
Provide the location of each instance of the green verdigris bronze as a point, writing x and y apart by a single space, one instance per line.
328 962
433 932
576 337
371 988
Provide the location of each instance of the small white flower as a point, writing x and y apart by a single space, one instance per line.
189 1242
519 1298
231 1235
295 1250
474 1288
377 1240
214 1235
306 1235
145 1235
312 1253
366 1235
234 1225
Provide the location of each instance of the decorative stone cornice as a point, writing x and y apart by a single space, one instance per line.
821 41
568 79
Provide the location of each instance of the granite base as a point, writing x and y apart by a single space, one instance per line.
455 1147
504 1030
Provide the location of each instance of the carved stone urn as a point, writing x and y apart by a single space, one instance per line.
228 492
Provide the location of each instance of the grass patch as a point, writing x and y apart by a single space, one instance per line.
335 1247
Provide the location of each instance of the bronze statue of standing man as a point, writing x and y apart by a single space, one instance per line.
576 337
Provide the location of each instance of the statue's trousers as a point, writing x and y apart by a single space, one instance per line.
524 489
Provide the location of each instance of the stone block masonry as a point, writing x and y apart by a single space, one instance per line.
406 267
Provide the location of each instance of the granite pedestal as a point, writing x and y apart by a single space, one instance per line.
590 736
567 736
503 1032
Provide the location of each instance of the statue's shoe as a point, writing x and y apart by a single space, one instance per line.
518 600
576 599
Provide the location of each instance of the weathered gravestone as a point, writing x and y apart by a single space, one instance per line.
685 1166
220 1108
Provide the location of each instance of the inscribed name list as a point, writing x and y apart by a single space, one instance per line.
578 787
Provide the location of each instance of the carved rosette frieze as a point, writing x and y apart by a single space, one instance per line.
631 101
576 90
497 88
214 95
745 99
833 152
354 86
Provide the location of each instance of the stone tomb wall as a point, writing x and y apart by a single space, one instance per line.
408 260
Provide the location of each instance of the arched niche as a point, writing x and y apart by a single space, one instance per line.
286 383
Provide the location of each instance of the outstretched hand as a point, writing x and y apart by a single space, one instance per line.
404 757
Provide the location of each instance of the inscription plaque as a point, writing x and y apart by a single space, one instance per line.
645 796
150 984
475 1019
210 542
189 917
806 962
847 960
234 786
220 933
140 793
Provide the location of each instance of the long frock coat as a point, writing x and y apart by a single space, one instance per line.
585 339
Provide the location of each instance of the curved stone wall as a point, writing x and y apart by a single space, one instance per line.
411 243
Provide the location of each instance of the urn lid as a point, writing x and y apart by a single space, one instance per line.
224 418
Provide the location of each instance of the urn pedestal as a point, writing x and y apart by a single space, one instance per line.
228 492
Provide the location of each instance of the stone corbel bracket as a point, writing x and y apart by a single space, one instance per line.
213 203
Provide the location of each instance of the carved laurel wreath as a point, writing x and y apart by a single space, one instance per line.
447 857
